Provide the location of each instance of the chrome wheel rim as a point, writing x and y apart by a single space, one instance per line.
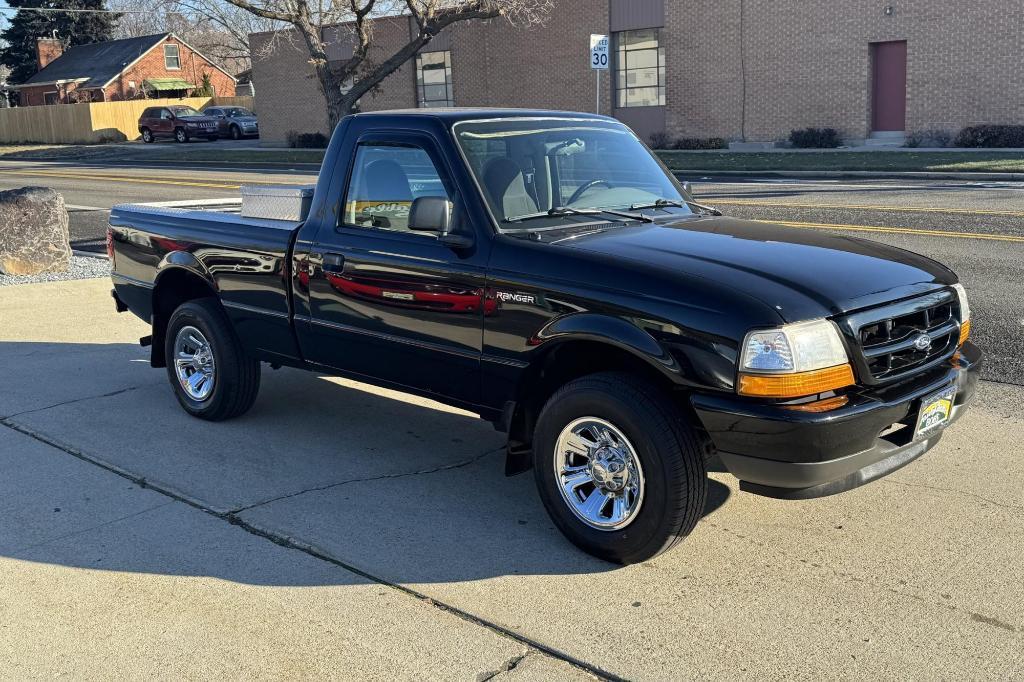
194 363
180 135
599 474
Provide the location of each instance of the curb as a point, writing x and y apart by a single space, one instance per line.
89 254
879 175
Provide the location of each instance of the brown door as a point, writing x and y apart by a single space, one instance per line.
889 86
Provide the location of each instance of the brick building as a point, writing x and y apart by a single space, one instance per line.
133 68
735 69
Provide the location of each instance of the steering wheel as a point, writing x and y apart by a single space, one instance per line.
584 187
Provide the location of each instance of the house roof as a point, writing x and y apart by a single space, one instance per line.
99 63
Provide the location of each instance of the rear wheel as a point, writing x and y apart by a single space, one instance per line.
147 135
181 135
212 376
619 470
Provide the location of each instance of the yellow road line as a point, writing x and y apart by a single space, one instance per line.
897 230
863 207
121 178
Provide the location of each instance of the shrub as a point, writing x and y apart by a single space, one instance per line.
700 143
298 140
991 136
666 141
815 138
929 138
661 141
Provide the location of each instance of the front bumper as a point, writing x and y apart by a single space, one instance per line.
785 453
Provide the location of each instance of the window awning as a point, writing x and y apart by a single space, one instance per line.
159 84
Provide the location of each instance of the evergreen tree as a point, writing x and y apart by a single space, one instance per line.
74 28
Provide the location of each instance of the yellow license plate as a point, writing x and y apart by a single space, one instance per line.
936 409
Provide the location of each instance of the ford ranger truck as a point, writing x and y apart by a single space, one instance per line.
545 271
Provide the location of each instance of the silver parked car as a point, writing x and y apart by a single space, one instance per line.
236 122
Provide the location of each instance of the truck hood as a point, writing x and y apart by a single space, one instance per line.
801 273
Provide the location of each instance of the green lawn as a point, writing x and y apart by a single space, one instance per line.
891 161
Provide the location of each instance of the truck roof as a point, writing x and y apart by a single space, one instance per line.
452 115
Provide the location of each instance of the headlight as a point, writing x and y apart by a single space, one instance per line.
965 313
793 361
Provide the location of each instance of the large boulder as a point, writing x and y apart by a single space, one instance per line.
33 232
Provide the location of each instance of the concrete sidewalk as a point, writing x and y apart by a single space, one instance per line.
350 532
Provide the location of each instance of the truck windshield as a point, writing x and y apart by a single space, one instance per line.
530 166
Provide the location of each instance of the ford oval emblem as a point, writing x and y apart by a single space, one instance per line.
923 342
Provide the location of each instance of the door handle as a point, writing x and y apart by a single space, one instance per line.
333 262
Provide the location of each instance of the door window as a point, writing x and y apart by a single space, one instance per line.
385 180
165 114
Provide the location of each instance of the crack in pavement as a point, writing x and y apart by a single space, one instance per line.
70 402
405 474
290 543
966 493
868 581
509 665
89 529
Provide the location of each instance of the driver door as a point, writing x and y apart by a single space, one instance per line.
389 303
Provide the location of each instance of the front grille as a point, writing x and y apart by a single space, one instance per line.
900 339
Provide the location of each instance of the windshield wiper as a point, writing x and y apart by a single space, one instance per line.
664 203
566 210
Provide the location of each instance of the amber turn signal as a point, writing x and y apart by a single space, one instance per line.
797 384
965 332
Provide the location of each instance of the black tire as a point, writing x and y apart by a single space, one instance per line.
181 135
237 377
147 136
236 132
669 452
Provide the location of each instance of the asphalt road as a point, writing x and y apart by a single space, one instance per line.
976 228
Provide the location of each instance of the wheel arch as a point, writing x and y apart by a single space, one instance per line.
180 278
572 347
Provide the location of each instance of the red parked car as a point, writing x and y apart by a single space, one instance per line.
178 121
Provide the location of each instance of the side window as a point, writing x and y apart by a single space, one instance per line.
386 179
212 112
165 114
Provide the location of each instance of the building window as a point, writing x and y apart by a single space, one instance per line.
639 69
51 98
171 59
434 79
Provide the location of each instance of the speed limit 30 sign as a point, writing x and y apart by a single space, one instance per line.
598 51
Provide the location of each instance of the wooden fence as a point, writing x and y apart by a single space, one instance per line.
90 123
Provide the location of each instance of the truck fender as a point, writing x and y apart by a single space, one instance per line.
626 339
613 331
188 279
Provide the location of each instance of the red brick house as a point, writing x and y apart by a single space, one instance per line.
161 65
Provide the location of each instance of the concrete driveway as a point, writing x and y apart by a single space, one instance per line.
346 531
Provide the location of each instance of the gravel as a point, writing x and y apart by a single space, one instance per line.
82 267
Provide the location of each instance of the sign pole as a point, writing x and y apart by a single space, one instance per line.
599 63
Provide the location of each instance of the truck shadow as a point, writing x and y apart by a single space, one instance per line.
405 489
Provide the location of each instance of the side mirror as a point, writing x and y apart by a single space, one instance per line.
434 214
430 214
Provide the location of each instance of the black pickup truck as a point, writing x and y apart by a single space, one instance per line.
545 271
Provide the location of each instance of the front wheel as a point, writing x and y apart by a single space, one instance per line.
236 133
212 375
181 135
620 471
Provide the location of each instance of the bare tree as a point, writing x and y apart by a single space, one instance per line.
216 28
344 81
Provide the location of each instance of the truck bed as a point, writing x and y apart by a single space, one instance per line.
243 260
